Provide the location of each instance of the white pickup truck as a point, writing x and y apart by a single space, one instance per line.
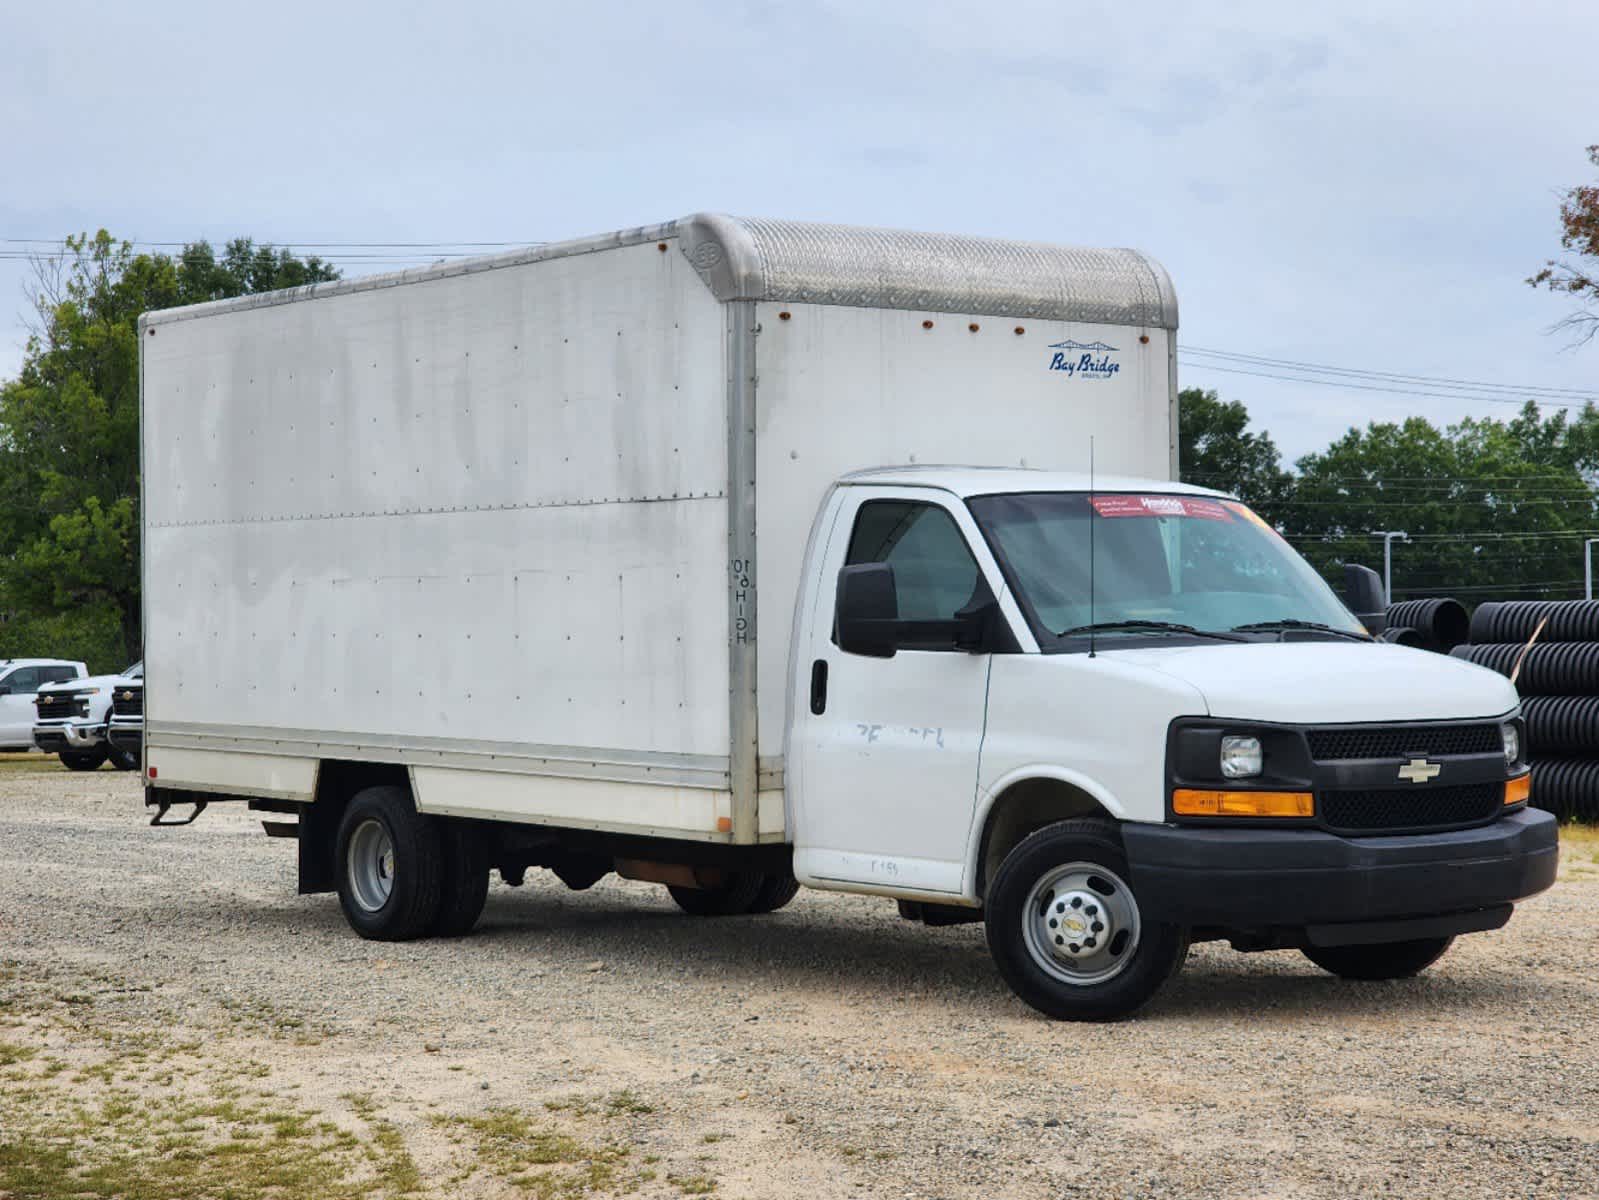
71 720
627 554
20 681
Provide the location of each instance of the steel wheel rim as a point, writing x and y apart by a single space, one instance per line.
1062 911
370 865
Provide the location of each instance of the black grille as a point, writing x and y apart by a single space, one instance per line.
54 706
128 702
1419 807
1404 741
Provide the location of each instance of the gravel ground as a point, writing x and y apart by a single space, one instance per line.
827 1050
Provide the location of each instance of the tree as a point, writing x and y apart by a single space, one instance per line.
69 422
1215 449
1579 234
1495 509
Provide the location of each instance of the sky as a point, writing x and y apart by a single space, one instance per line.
1364 185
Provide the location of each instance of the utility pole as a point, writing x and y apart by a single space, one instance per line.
1388 536
1587 568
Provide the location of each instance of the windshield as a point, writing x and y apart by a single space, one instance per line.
1186 560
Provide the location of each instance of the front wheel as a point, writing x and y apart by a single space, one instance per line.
124 760
83 760
1386 960
1065 930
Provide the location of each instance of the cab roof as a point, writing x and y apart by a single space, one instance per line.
989 481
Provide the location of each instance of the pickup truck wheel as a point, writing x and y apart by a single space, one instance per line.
125 760
1065 929
775 891
1386 960
464 882
390 866
736 895
83 760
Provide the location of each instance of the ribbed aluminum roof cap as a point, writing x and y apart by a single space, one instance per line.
800 262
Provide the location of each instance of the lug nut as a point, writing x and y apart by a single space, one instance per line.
1096 927
1074 947
1077 902
1090 943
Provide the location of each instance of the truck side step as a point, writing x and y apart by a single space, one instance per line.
163 806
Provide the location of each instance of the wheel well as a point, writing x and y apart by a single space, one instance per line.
336 782
1024 808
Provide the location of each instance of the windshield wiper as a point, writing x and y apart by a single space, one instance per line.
1288 623
1155 626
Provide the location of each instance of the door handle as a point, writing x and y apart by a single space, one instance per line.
819 687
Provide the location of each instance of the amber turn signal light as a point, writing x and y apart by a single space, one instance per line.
1194 802
1518 789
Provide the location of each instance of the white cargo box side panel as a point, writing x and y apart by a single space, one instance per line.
844 389
481 516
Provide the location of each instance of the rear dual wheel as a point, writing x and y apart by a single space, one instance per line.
741 892
403 875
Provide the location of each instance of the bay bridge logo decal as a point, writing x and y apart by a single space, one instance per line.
1088 360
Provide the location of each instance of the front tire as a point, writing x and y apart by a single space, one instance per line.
390 864
1065 930
83 760
1386 960
124 760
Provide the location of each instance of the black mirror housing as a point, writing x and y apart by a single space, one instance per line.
866 610
1366 596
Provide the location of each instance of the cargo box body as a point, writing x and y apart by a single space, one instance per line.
533 525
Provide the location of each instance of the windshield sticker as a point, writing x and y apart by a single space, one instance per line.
1160 506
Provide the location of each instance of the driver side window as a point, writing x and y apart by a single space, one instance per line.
935 574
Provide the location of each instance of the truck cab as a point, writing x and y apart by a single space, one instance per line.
71 720
20 681
1116 715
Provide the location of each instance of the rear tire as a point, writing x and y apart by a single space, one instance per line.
464 882
83 760
1064 886
774 893
736 895
390 866
1386 960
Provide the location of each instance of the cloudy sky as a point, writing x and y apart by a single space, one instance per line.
1358 184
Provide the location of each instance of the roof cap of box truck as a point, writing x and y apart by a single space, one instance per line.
804 262
992 481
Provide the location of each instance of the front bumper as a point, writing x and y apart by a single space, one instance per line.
68 735
1273 879
126 736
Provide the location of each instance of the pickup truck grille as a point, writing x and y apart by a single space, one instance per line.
128 702
1404 741
1386 810
59 705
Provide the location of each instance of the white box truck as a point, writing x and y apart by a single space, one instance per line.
635 554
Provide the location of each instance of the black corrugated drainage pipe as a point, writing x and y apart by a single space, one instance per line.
1442 622
1567 787
1550 669
1515 621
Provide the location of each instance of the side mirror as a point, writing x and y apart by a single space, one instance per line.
866 610
1366 596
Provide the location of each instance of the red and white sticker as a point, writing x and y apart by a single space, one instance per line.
1159 506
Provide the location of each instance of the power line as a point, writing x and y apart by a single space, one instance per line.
1398 391
1360 372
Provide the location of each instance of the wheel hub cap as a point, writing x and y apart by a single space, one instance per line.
371 865
1081 923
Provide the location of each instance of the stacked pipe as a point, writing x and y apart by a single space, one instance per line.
1559 685
1439 624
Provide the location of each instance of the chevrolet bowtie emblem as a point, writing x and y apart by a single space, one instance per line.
1419 770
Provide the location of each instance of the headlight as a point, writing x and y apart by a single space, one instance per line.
1241 756
1512 736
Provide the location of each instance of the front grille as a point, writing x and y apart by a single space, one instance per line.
1404 741
54 707
1376 810
128 702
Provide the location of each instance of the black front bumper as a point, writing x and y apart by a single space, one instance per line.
1265 879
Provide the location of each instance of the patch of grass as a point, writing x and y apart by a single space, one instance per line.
545 1162
624 1103
29 764
11 1053
710 1139
693 1185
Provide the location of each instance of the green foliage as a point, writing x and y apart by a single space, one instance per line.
1496 509
1215 449
69 434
